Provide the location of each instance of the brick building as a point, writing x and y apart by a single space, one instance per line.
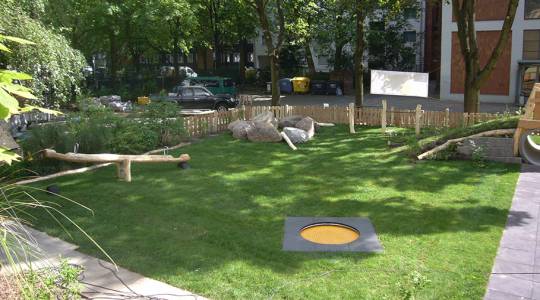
519 65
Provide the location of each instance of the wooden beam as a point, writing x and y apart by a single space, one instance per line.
114 158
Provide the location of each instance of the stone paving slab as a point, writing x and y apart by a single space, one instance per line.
516 271
100 279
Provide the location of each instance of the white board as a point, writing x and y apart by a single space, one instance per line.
399 83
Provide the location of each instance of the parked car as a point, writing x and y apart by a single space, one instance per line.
185 71
198 97
217 85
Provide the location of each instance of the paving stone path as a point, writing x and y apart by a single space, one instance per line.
516 272
100 279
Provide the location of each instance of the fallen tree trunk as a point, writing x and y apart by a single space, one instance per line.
498 132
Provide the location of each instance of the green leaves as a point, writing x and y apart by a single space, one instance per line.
8 156
3 46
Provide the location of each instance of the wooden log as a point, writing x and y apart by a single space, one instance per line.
448 143
288 140
114 158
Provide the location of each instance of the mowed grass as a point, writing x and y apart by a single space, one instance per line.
217 229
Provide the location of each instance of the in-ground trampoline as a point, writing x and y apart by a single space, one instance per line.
306 234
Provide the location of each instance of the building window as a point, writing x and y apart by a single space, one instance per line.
531 44
532 9
410 13
409 36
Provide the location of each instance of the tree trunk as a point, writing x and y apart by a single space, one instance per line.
309 59
274 71
359 57
472 98
243 59
338 57
113 59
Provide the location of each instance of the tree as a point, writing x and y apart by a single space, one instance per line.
300 25
56 68
387 48
475 75
332 30
179 19
362 10
270 13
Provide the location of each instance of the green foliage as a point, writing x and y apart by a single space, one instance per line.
99 130
47 284
413 283
133 138
55 67
164 118
387 49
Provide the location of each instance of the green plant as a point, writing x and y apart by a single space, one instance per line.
54 283
414 282
132 138
479 156
165 119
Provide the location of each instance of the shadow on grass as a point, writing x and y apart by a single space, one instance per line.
232 204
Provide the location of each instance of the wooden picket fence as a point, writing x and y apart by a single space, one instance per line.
197 126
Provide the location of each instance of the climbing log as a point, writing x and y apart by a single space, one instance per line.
123 162
288 140
498 132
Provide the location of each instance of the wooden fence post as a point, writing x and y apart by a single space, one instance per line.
465 119
447 117
351 118
392 116
418 119
383 115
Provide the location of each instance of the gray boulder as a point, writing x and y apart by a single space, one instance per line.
296 135
263 132
266 117
290 121
233 124
240 129
308 125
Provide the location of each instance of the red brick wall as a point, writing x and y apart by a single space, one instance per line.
499 81
489 10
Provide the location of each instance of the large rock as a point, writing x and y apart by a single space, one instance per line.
308 125
290 121
297 136
240 129
263 132
266 117
233 124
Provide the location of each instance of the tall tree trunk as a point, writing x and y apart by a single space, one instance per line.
475 76
309 59
243 59
176 49
338 57
359 56
113 59
274 72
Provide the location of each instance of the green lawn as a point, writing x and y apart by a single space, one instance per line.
216 229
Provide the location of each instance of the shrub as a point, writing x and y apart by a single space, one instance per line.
131 138
164 119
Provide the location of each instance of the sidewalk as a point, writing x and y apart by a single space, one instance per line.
101 279
516 272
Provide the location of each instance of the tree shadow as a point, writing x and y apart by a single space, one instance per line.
231 206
